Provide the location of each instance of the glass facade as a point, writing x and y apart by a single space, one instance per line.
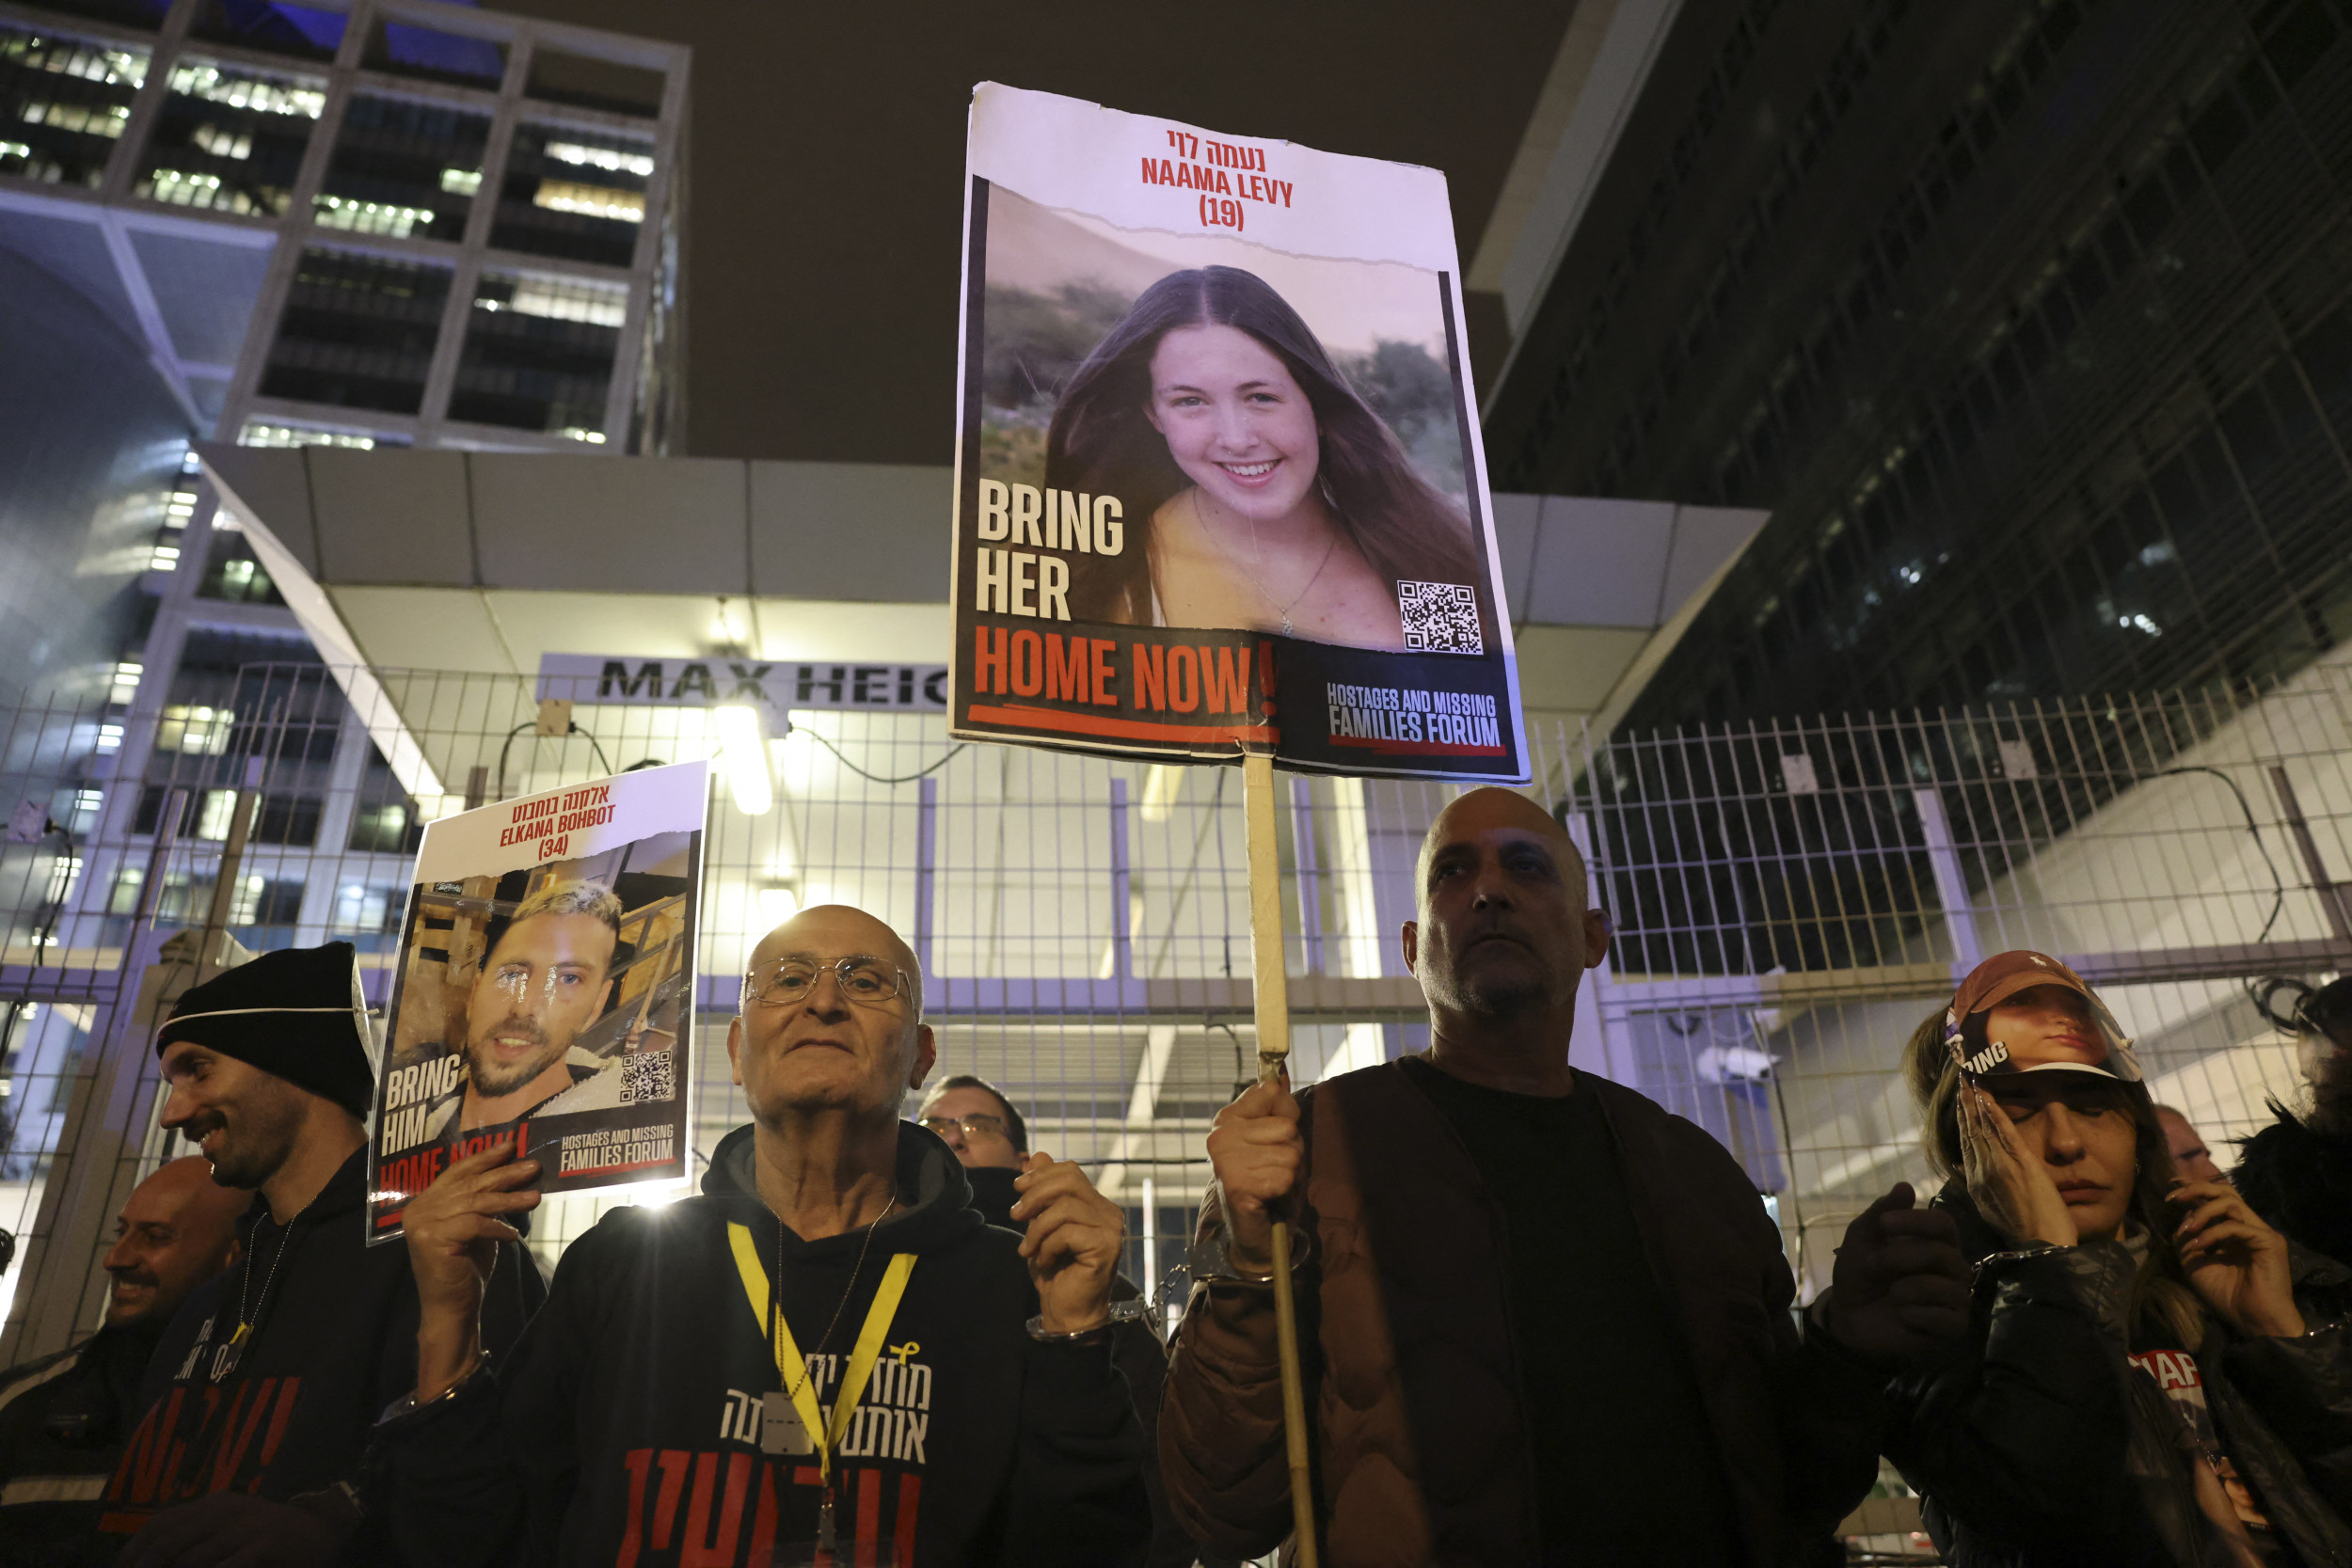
231 138
585 81
539 354
64 102
2062 407
403 49
273 28
575 193
179 109
405 169
358 332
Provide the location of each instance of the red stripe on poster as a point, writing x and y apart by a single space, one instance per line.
1121 729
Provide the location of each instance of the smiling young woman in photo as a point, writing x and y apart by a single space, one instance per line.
2154 1376
1274 498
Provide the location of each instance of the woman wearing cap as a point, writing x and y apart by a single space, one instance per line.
2153 1375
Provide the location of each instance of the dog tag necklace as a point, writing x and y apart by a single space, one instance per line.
225 1360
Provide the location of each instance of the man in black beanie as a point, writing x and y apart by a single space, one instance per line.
261 1395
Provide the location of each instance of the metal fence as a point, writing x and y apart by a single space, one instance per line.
1790 899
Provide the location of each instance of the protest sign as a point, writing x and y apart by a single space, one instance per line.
545 987
1219 484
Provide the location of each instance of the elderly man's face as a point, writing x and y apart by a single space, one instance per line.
1503 921
831 1048
544 981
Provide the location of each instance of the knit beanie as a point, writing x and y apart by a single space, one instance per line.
297 1014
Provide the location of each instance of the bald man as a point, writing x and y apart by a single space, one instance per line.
1545 1321
63 1419
829 1355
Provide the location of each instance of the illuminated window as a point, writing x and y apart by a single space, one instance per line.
403 168
538 353
367 910
195 730
215 813
260 432
125 687
579 195
64 102
230 139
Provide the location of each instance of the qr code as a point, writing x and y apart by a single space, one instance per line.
1440 618
647 1078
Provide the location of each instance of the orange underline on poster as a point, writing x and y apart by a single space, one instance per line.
1420 748
1119 729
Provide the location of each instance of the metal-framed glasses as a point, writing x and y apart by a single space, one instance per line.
981 1126
786 982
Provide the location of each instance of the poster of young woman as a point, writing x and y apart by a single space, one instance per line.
1219 484
546 991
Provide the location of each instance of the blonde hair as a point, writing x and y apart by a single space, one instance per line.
2165 1313
571 897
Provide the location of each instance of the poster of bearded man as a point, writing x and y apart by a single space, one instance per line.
545 993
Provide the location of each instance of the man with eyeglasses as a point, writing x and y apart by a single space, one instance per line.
972 1118
827 1357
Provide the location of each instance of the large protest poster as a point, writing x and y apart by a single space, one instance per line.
1220 483
546 991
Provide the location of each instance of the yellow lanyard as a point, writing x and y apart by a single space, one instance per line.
794 1367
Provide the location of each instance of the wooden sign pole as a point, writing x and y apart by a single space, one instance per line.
1270 994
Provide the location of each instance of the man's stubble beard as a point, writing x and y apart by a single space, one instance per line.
1498 991
251 1155
485 1077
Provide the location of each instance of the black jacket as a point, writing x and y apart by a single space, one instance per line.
334 1340
2036 1445
625 1428
2298 1175
63 1419
1141 1356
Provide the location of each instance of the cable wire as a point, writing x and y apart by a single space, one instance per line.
2278 884
877 778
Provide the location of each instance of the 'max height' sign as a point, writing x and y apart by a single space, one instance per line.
601 680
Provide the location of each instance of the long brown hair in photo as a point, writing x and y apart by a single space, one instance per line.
1101 442
2166 1313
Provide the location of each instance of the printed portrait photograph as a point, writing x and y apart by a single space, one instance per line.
1280 434
549 991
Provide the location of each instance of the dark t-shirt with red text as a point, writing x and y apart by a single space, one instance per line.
288 1409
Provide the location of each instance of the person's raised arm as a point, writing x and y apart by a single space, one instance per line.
453 1228
1221 1452
1078 1494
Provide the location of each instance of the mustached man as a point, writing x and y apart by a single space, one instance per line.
63 1419
262 1394
828 1357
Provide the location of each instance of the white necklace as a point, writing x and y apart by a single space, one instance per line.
1281 612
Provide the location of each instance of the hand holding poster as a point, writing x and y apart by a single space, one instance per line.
546 991
1219 482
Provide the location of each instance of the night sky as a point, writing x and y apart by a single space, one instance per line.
825 157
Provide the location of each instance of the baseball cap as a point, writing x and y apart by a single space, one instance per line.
2002 976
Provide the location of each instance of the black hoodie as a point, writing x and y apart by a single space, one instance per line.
625 1428
334 1340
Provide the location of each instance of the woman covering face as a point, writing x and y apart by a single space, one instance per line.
2148 1359
1275 500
